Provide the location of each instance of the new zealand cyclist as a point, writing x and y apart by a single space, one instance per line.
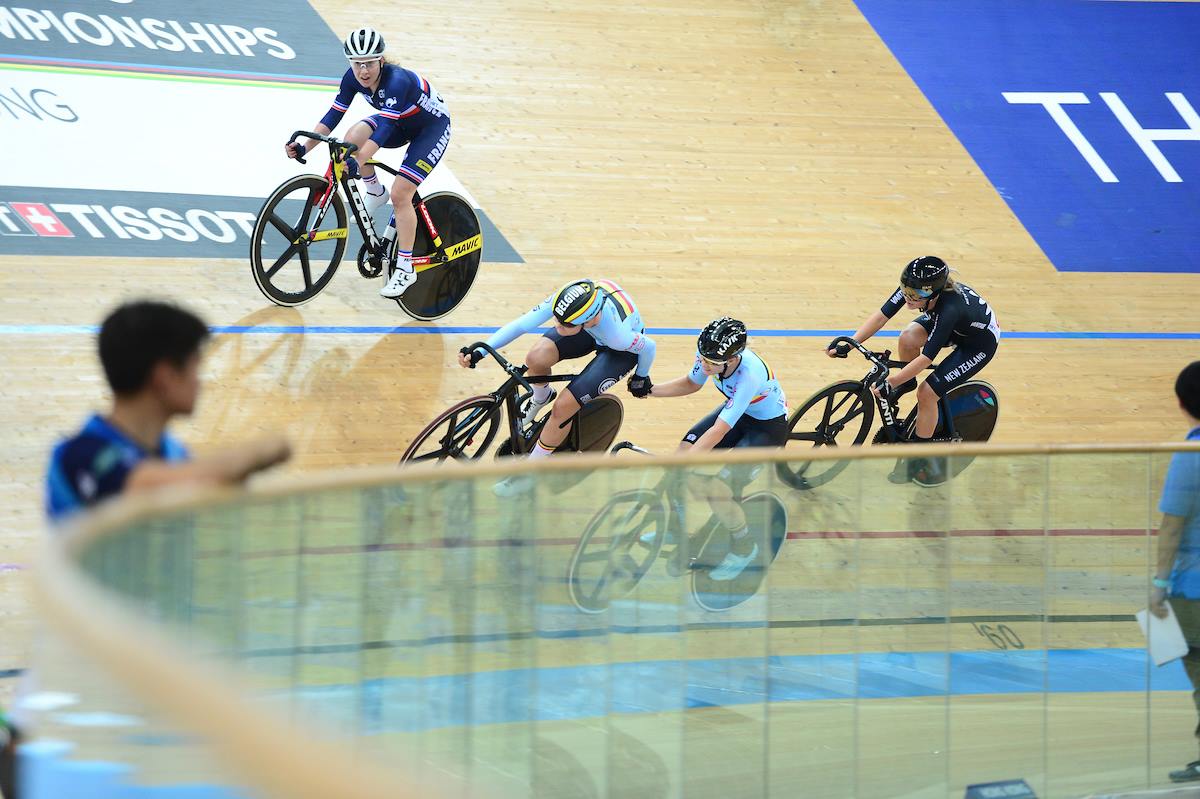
754 414
591 317
952 314
410 112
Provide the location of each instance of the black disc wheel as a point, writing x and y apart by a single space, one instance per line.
442 285
975 408
293 256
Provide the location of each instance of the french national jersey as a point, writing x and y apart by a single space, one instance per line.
752 389
406 102
620 327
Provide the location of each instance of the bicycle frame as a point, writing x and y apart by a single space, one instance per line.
337 175
506 395
881 366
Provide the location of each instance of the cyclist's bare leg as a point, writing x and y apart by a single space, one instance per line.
912 339
540 360
555 429
406 216
927 411
360 134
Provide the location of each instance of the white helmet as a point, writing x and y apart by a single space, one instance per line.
363 43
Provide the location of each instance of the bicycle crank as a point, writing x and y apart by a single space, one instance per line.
369 264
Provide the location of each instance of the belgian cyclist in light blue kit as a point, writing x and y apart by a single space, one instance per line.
591 317
410 112
754 414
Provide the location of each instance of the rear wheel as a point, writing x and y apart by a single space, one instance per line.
289 266
840 413
975 407
461 432
440 287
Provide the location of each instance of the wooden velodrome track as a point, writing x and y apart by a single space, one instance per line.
773 163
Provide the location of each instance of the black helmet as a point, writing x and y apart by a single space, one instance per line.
925 276
722 339
362 44
577 302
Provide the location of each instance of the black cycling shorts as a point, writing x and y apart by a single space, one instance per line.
601 373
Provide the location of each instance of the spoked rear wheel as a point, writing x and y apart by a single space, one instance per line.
440 287
461 432
611 558
290 267
839 413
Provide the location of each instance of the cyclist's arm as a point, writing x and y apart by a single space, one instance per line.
712 436
873 325
679 387
943 325
622 339
523 324
341 103
910 370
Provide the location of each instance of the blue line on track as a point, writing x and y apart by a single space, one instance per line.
381 330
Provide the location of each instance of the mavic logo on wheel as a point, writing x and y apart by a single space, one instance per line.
463 247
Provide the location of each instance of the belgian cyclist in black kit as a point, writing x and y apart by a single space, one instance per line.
952 314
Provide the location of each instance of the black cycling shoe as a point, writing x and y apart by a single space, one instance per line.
928 472
1189 773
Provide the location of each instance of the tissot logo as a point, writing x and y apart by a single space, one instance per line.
86 222
126 222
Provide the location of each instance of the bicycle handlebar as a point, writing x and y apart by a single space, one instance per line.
881 359
630 446
332 142
515 371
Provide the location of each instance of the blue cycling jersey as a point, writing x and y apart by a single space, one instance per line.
752 389
407 103
620 327
95 464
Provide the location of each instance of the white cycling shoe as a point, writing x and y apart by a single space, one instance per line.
398 283
732 565
374 201
532 408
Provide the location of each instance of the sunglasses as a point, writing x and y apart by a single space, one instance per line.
916 295
369 62
712 363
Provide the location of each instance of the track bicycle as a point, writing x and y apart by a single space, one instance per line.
637 527
297 244
842 414
467 429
